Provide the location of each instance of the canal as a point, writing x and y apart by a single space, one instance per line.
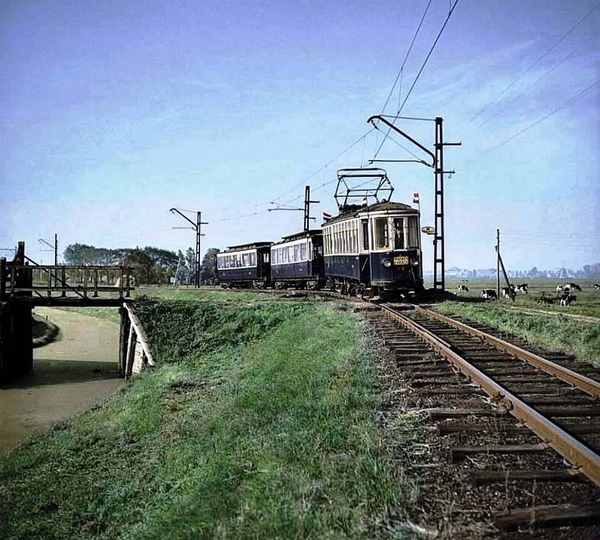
69 375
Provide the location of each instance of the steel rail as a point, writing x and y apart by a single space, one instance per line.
577 453
582 382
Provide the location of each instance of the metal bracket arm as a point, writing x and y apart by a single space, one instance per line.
405 135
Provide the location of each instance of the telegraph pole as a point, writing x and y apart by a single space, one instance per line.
198 228
498 262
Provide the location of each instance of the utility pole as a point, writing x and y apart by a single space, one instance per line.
198 228
55 249
498 262
439 279
306 209
307 203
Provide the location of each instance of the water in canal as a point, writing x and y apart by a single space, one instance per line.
69 375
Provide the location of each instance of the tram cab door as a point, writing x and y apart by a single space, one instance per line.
364 259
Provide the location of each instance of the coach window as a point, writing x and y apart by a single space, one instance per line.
303 252
382 238
399 233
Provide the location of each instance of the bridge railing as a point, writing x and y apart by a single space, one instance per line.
62 281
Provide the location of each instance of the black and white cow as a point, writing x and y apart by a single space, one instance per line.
522 288
566 299
489 294
572 286
509 292
462 288
597 286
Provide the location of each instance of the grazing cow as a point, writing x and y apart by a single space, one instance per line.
573 286
522 288
559 288
566 299
597 287
463 288
509 292
489 294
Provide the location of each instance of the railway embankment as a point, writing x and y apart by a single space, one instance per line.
259 421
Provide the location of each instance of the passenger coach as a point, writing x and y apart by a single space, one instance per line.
247 265
297 261
374 248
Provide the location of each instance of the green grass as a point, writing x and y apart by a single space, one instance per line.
230 437
558 333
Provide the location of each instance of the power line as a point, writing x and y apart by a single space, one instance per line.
406 57
309 177
551 70
532 65
581 94
419 73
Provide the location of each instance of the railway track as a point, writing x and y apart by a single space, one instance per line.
510 419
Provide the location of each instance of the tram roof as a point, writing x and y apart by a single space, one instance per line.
299 235
356 210
253 245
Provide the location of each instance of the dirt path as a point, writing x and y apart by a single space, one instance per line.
69 375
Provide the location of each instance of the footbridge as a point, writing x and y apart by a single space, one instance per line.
24 284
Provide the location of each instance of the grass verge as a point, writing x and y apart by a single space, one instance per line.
552 332
237 439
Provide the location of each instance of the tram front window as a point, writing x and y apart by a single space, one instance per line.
382 238
399 233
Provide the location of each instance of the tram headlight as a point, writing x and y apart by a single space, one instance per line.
415 262
386 263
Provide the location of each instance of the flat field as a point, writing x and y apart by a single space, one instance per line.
574 329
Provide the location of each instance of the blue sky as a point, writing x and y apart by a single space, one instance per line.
114 112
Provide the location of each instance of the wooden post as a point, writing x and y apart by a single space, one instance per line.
64 281
131 342
95 283
2 278
124 332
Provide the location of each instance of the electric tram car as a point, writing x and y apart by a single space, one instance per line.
297 261
246 265
374 249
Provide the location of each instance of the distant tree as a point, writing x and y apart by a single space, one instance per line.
190 259
208 273
150 264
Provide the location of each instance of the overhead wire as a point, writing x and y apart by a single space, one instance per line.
518 78
399 75
580 95
551 70
432 48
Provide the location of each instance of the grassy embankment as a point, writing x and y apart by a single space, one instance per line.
229 437
558 333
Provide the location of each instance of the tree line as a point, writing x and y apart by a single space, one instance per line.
150 265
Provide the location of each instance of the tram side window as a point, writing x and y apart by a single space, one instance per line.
365 234
399 233
303 252
382 238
